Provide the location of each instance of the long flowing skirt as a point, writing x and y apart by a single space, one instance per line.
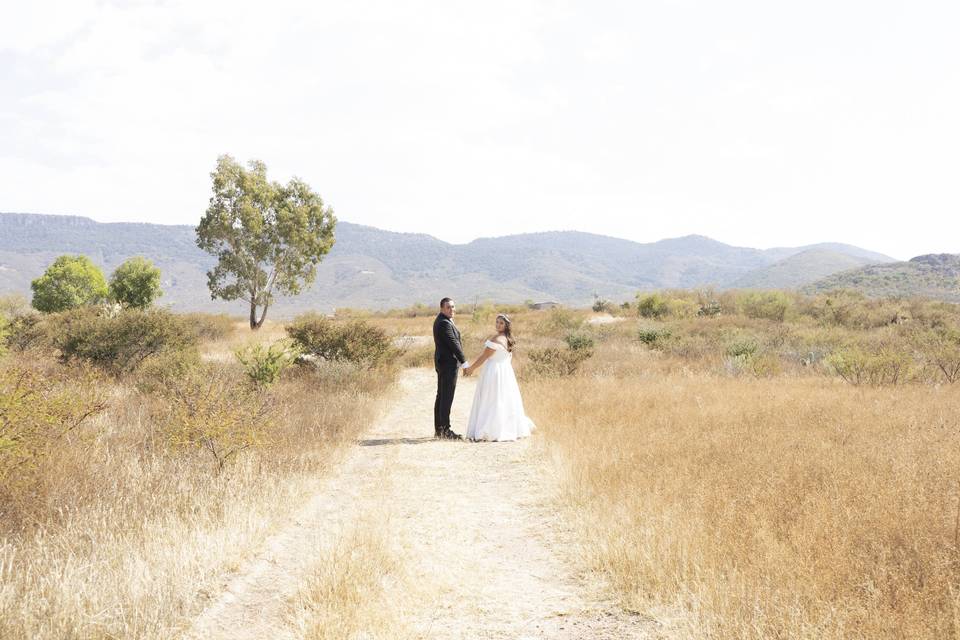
497 412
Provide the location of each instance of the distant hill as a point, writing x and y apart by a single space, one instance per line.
932 276
805 268
372 268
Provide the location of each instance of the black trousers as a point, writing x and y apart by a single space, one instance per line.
446 387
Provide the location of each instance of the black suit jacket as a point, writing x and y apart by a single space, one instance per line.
448 350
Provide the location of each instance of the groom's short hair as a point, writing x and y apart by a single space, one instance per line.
445 301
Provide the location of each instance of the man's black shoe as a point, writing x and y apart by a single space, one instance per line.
447 434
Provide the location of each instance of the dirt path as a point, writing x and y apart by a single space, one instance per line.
481 548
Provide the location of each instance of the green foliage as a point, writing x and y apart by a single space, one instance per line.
68 283
135 283
354 341
872 364
710 309
555 362
37 410
213 411
940 349
653 337
601 305
579 342
768 305
652 305
264 364
119 343
743 348
266 236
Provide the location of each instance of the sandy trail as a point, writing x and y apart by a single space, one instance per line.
482 549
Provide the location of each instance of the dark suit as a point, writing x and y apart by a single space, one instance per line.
447 358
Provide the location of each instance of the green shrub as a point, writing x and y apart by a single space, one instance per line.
940 349
579 342
652 305
216 412
209 326
354 341
37 410
119 343
601 305
742 348
135 283
68 283
264 364
157 371
27 332
653 337
873 365
709 309
768 305
553 361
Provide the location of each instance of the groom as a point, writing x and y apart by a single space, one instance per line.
448 359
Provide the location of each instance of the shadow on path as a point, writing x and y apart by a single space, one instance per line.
379 442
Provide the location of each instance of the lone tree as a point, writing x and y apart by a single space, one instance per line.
70 282
135 283
266 236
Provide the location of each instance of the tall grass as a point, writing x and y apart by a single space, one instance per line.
778 505
124 534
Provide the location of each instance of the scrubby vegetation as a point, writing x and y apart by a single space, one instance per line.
137 463
761 464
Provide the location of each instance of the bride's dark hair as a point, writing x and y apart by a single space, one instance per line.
506 331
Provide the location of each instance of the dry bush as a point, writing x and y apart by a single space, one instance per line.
354 341
217 411
39 409
130 537
120 342
210 326
763 508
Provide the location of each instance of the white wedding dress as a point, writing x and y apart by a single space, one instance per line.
497 412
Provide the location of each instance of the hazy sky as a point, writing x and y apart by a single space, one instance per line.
756 123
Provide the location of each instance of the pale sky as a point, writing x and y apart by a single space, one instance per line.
756 123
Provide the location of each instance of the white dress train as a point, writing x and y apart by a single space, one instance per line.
497 412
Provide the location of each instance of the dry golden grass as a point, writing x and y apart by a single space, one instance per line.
127 535
761 508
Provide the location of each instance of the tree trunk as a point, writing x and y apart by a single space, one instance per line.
254 323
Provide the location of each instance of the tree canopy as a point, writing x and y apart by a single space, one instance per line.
70 282
135 283
267 237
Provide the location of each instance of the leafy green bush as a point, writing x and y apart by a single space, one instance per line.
354 341
652 305
68 283
601 305
211 410
135 283
743 348
653 337
119 343
264 364
579 342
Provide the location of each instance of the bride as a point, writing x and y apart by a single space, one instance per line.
497 412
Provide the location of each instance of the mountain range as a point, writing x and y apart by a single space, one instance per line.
373 268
